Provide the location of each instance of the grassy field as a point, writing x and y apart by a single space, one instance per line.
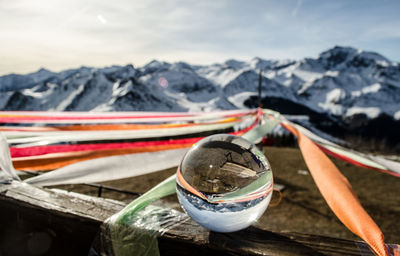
302 208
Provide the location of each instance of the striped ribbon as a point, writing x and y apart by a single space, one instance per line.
40 158
112 117
128 165
45 138
357 158
105 127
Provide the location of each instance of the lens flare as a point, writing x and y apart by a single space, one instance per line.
163 82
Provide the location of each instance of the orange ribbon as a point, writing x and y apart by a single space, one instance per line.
338 193
106 127
58 160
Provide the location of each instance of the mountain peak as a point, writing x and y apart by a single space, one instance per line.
154 66
156 63
339 54
339 48
43 70
349 56
181 65
235 64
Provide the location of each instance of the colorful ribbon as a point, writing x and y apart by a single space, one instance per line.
112 159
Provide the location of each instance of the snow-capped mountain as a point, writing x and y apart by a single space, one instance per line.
345 85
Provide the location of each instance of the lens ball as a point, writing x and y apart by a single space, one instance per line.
224 183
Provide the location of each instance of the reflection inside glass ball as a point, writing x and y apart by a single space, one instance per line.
224 183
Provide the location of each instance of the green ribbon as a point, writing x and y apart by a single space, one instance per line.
131 237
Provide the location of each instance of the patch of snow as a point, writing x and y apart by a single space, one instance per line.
289 69
371 112
238 99
369 89
305 86
270 74
335 95
287 83
332 108
36 91
331 73
356 94
372 88
397 115
332 101
383 63
219 76
282 78
266 65
69 99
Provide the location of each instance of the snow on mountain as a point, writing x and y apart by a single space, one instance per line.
86 89
222 74
344 78
341 82
370 112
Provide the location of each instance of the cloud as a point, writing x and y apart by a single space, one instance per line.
101 19
59 34
297 8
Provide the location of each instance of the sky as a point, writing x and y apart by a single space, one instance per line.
62 34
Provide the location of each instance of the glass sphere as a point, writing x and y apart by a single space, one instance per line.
224 183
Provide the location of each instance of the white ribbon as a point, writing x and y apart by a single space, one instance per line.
110 168
50 137
5 159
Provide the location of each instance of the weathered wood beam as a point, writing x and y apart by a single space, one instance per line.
68 222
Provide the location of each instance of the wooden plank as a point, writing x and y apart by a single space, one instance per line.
70 221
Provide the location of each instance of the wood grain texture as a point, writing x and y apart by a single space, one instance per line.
71 221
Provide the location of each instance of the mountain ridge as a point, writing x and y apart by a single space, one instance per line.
348 86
